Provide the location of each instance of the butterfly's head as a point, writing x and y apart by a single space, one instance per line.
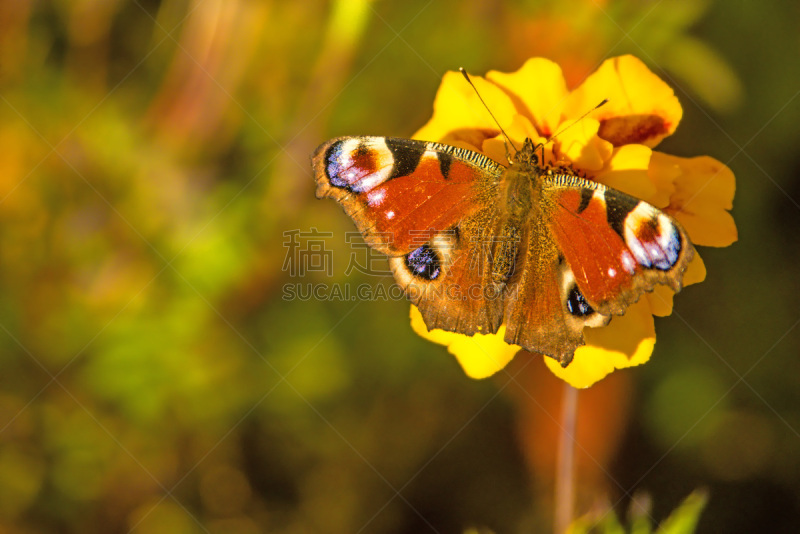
531 155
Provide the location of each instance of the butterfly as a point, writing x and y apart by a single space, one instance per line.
476 244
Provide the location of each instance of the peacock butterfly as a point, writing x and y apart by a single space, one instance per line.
476 244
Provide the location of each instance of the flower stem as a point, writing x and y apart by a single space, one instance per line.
565 463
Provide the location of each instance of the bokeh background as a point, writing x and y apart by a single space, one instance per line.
154 166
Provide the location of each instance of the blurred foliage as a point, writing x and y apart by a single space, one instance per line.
154 379
683 520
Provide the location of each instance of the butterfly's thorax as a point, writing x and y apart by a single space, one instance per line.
516 194
520 204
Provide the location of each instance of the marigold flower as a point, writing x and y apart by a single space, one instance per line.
613 145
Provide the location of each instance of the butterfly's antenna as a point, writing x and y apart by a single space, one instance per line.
469 81
570 125
576 121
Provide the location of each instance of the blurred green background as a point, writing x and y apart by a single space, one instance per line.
154 167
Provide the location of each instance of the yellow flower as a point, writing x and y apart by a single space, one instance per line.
613 145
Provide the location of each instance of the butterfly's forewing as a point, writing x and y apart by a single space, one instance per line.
616 246
401 192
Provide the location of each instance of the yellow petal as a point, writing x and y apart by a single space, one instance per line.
627 171
703 177
538 89
457 108
704 190
580 144
641 108
625 342
480 355
663 174
710 229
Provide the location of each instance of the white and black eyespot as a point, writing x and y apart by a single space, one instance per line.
335 162
669 240
576 303
571 296
637 248
580 312
424 263
358 165
652 238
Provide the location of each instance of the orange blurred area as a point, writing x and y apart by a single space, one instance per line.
173 357
602 417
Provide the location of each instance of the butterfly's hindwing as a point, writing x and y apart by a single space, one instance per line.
450 280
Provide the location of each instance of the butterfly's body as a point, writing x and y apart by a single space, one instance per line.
476 244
